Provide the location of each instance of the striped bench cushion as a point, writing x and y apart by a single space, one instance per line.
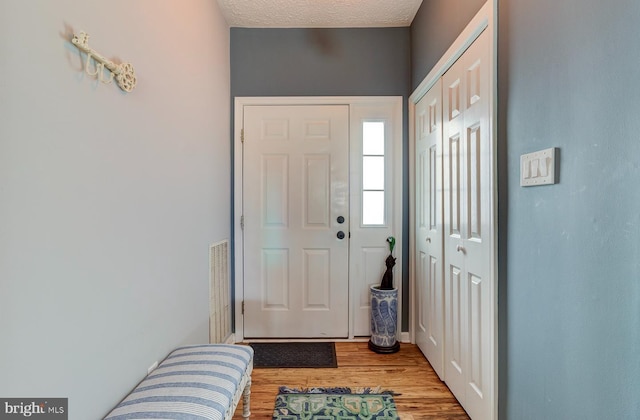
193 382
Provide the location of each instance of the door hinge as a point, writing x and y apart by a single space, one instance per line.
242 222
243 307
242 135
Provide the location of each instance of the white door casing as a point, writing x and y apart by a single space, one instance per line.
429 228
366 244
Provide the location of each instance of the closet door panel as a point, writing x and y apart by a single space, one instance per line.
429 228
455 214
467 244
477 233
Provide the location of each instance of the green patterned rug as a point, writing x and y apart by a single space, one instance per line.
334 403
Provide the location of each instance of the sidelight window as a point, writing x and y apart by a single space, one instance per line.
373 173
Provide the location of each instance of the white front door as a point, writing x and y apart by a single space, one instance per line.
429 261
296 221
468 240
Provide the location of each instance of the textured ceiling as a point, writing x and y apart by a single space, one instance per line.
319 13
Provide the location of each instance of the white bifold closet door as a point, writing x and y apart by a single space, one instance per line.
467 164
454 229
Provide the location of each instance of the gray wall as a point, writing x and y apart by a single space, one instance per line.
326 62
433 30
108 201
570 327
569 294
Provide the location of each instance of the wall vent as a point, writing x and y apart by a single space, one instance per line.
219 293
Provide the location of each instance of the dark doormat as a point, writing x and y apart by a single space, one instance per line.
294 355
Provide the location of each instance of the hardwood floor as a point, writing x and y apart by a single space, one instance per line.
423 395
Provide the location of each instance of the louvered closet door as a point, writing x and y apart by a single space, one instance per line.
467 166
429 262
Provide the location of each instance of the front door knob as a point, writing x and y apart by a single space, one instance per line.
340 235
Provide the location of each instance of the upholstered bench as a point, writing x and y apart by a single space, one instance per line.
193 382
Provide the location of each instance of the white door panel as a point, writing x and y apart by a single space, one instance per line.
429 276
369 248
454 196
295 188
467 223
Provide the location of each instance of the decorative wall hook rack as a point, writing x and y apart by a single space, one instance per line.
124 74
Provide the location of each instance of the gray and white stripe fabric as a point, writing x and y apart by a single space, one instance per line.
193 382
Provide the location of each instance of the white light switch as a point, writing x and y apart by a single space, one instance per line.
538 168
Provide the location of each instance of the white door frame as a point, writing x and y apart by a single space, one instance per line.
353 101
484 20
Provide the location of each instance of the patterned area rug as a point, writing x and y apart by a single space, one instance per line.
334 403
294 355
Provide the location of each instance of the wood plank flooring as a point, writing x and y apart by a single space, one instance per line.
423 395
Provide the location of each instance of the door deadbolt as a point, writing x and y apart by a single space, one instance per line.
340 219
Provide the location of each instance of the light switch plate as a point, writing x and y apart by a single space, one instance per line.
538 168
